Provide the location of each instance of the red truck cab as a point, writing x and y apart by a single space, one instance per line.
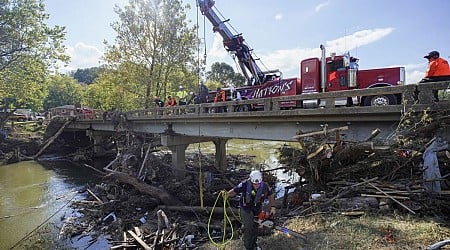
337 73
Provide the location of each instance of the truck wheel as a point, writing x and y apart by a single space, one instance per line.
241 108
380 100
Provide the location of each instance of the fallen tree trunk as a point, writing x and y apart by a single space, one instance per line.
155 192
50 140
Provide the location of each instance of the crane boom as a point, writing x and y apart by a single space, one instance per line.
235 45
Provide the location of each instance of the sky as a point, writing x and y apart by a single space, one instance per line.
381 33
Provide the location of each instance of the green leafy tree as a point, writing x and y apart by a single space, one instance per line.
86 75
156 42
117 89
28 49
63 90
225 75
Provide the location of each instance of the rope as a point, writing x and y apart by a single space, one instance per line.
200 176
45 221
226 220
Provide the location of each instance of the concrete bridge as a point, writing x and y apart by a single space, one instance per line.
180 126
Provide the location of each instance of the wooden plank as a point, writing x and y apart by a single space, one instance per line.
138 231
390 197
383 196
322 132
95 196
139 240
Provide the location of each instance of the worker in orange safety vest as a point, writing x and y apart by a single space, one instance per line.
171 101
220 97
438 70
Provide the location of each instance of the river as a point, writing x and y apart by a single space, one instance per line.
37 194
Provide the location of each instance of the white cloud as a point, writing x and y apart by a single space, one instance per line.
358 39
288 61
321 5
83 56
415 72
217 51
278 16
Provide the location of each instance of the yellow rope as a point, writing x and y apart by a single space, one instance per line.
200 176
226 220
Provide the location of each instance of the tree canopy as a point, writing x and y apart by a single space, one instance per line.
63 90
154 53
86 75
225 75
28 49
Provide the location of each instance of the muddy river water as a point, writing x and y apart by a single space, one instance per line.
36 194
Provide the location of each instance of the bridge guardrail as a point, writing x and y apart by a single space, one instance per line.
412 94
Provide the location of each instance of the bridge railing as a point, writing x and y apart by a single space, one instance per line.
411 94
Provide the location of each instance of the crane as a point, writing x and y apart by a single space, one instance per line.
236 46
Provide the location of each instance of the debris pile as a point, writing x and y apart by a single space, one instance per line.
349 176
140 204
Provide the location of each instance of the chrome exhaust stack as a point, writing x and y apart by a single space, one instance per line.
323 72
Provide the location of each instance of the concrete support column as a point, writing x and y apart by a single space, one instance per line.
98 139
178 144
178 160
221 154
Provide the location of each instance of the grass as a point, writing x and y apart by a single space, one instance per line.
370 231
26 129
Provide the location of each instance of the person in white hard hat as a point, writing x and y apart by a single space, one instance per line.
253 193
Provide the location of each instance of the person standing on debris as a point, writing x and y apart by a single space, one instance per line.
438 70
430 166
253 192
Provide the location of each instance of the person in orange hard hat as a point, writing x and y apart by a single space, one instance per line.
438 70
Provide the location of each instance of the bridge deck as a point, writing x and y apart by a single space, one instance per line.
274 123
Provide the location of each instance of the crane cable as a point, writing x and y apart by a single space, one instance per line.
223 193
200 175
226 220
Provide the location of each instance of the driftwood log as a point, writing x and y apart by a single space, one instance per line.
160 194
52 139
197 209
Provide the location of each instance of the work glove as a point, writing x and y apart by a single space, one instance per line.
273 210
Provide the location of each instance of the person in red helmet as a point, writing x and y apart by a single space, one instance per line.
438 70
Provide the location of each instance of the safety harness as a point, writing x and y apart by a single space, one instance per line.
248 193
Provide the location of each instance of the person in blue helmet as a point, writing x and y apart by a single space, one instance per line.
253 193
